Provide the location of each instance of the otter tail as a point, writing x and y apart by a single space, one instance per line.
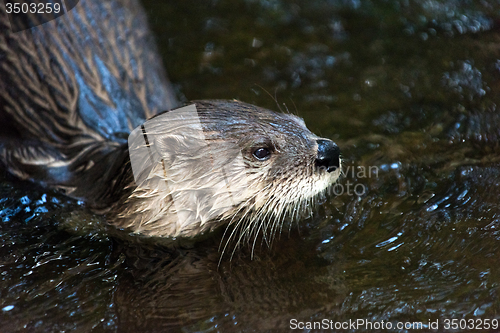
70 92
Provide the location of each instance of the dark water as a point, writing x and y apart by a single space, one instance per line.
410 92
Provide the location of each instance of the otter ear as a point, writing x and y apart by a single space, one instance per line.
159 140
170 155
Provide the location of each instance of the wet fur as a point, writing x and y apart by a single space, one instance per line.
71 91
285 186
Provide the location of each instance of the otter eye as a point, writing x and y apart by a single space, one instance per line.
262 153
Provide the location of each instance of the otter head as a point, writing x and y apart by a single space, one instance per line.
219 162
287 167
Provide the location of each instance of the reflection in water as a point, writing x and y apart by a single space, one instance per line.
408 87
191 289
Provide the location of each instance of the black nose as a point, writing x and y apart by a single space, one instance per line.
328 155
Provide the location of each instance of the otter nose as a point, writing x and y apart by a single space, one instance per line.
328 155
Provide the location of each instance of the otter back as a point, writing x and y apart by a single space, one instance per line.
70 92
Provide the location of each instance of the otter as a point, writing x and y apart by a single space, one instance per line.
73 89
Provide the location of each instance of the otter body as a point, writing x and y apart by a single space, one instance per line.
70 92
73 89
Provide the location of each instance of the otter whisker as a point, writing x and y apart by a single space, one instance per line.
255 238
241 221
254 224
